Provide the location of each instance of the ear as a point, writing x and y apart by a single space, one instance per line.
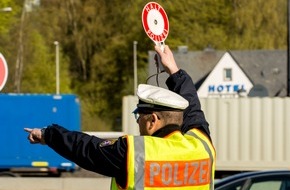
153 122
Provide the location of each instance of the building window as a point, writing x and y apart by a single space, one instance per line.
228 74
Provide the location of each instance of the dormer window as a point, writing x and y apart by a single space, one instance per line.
228 74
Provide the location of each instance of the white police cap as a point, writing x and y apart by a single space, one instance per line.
157 98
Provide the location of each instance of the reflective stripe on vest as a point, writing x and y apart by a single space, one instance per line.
211 153
139 150
190 166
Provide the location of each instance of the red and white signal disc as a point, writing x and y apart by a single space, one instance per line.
155 22
3 71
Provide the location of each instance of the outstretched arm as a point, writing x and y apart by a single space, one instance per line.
103 156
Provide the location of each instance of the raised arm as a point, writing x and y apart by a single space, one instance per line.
180 82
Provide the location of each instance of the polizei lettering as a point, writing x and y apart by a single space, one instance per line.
177 173
151 6
158 38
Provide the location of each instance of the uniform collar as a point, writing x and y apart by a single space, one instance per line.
164 131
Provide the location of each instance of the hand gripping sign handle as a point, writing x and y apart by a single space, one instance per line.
161 45
157 57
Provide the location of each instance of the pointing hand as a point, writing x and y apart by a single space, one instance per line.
34 136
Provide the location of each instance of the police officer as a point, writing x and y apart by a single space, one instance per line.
173 151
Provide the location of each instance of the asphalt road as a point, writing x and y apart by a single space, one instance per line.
79 180
49 183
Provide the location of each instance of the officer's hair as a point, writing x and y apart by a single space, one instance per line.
171 117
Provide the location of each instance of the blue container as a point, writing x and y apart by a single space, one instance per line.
18 111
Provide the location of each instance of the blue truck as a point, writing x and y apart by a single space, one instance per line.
17 111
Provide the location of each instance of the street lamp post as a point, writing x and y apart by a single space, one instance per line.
6 9
135 66
288 48
57 66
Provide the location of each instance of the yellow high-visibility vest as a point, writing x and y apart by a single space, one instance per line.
177 161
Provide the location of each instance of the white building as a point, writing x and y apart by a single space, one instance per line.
227 79
231 73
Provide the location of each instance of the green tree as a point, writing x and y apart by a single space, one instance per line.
8 18
259 25
39 75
